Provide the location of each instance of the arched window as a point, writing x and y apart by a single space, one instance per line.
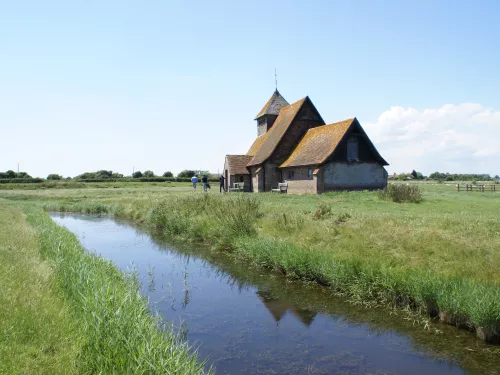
352 149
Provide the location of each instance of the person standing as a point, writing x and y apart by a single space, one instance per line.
204 179
194 180
221 183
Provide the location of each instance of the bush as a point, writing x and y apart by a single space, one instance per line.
168 174
323 210
401 193
149 174
54 177
137 174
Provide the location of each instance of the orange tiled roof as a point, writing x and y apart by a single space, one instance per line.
273 105
237 163
256 145
274 135
318 144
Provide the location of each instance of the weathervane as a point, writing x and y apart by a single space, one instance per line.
276 79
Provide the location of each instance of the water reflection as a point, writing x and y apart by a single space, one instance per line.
251 321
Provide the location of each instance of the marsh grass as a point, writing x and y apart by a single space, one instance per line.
401 193
441 255
37 333
118 333
206 218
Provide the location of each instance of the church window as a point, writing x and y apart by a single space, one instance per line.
291 174
310 173
352 149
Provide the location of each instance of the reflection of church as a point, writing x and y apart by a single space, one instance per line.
278 308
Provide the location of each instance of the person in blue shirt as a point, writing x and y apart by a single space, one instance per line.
194 180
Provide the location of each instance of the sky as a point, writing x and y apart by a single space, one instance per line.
172 85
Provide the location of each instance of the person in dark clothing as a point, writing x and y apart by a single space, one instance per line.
221 183
204 179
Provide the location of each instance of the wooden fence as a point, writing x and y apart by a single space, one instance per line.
481 188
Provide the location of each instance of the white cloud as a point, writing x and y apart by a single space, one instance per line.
462 138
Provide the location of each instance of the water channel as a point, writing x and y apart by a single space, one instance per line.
248 321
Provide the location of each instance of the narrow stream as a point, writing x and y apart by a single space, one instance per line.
248 321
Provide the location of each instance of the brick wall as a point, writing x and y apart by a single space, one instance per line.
301 183
349 176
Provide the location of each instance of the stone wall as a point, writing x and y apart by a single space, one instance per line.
354 176
301 183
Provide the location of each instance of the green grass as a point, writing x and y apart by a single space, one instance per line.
442 254
37 334
76 313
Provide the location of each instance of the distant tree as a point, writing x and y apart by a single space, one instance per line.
10 174
23 175
117 175
168 174
497 177
149 173
186 173
137 174
420 176
104 174
54 176
449 178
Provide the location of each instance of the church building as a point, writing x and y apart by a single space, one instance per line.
294 145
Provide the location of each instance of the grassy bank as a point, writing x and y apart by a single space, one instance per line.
112 330
37 333
437 256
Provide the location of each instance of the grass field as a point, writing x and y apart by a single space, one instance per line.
64 311
440 255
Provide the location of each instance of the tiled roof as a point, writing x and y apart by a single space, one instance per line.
273 105
318 144
256 145
274 135
237 163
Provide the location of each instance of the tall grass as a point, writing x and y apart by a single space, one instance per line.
119 334
438 257
37 332
206 218
464 302
401 193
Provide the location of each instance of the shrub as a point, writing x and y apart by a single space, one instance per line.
168 174
54 176
323 210
149 174
137 174
401 193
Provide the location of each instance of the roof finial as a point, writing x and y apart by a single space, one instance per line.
276 79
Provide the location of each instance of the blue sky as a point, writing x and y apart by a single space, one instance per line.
88 85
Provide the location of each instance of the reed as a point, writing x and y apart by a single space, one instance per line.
118 332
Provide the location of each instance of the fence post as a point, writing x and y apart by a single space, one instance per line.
466 187
458 187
